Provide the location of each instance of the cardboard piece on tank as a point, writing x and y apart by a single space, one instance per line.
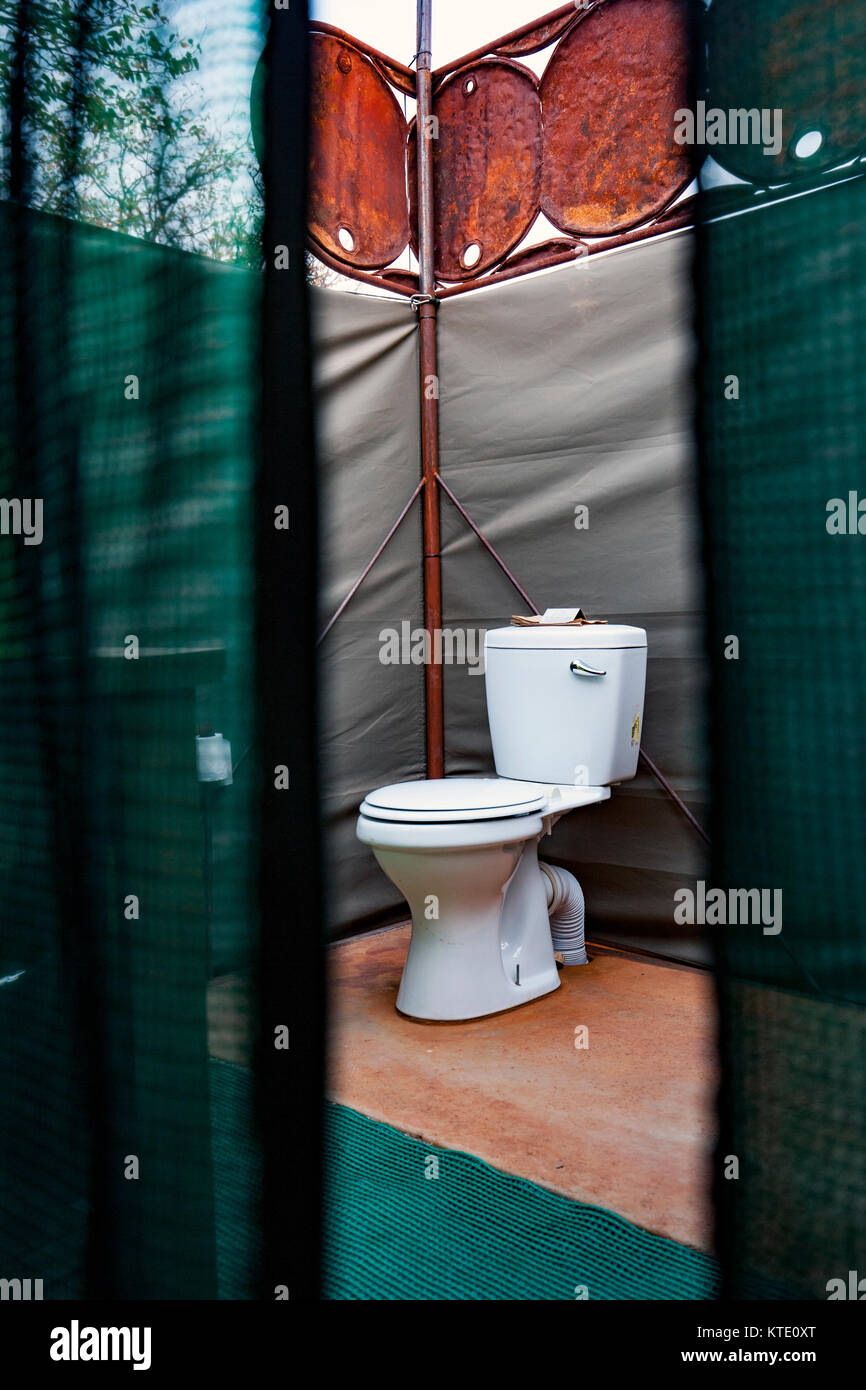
556 617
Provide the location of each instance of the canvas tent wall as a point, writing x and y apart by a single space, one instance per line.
567 389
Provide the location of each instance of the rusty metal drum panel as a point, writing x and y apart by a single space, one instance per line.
487 165
537 38
806 58
358 207
609 94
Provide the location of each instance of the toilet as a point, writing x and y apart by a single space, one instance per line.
565 708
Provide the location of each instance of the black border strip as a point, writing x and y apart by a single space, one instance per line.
290 977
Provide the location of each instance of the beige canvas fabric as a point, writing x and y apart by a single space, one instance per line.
559 392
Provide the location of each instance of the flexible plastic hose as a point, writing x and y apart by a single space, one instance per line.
567 912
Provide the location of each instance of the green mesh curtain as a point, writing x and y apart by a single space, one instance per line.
782 315
154 421
142 436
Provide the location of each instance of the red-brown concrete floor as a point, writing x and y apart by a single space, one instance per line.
626 1123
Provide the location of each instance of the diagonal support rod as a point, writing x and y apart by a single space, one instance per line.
366 570
674 796
485 542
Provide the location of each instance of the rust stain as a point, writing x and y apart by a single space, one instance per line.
357 205
609 94
592 145
537 38
487 166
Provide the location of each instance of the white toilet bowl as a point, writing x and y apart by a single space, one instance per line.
565 704
463 852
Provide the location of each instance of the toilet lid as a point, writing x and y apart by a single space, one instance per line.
454 799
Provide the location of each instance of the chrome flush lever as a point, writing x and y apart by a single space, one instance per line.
580 668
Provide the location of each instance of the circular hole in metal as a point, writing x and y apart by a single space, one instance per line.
345 238
471 255
808 144
469 86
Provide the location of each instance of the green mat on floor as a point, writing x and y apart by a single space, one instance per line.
472 1232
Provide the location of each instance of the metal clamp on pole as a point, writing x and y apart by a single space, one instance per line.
417 300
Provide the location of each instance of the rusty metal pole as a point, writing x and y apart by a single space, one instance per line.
429 396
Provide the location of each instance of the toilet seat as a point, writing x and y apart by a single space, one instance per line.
452 800
442 836
463 853
462 800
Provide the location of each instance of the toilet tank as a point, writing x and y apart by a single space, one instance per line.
565 704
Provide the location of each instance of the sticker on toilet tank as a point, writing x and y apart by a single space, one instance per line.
635 731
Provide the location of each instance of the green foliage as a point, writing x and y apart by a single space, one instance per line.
116 132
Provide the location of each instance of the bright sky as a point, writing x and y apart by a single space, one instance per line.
458 25
232 39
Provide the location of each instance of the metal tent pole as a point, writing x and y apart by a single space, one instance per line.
427 307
